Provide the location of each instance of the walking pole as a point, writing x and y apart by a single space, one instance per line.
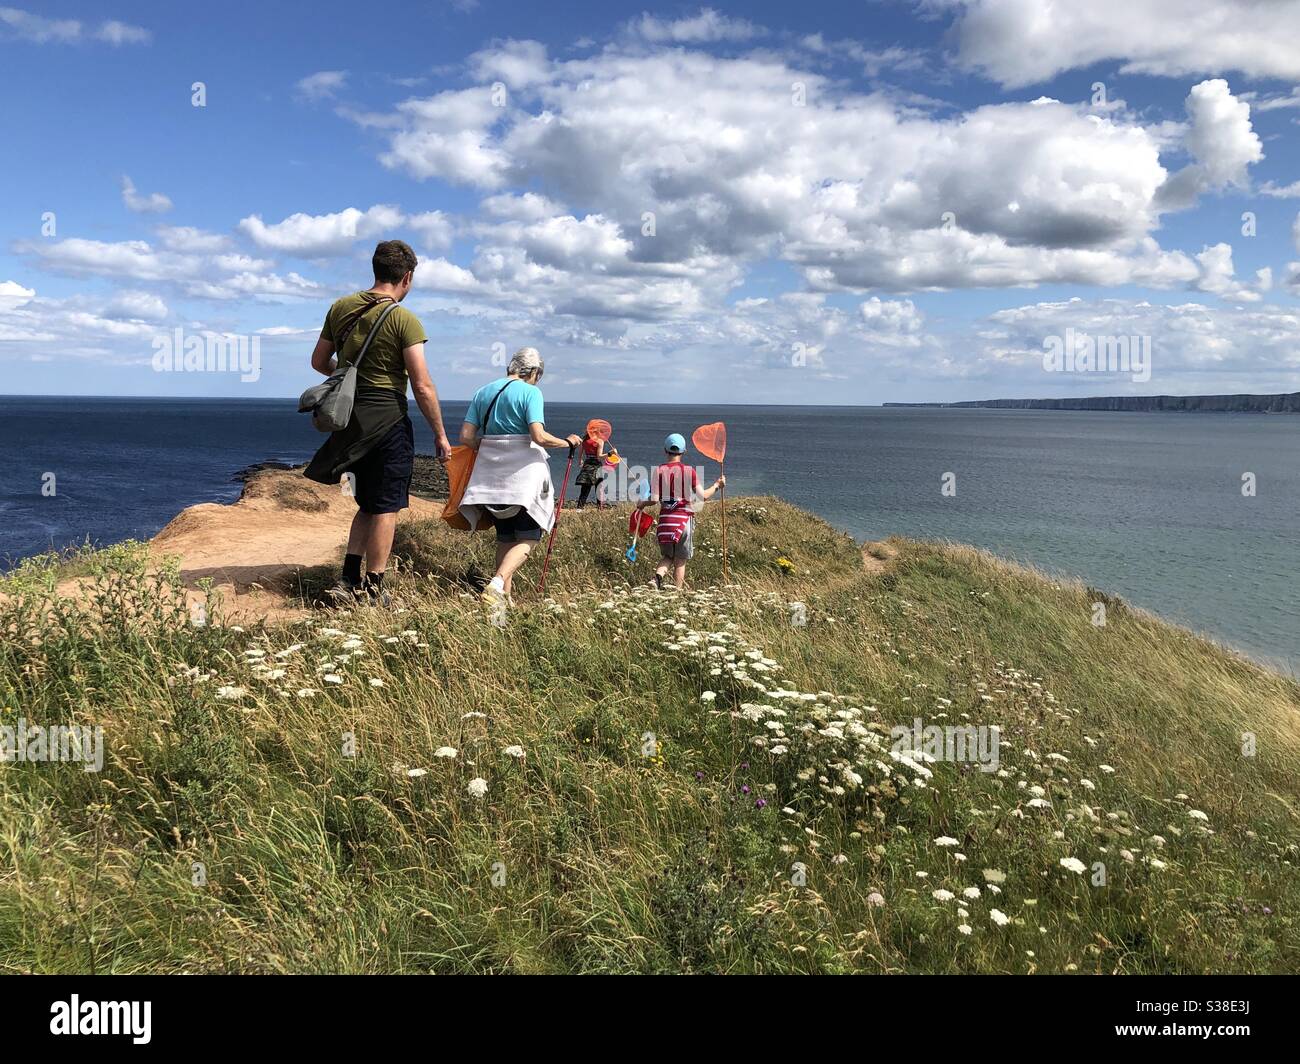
711 441
726 572
555 526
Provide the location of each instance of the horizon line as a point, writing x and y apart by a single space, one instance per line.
853 406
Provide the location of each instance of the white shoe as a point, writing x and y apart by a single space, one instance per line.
495 592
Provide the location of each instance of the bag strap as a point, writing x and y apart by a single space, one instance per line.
488 416
392 306
349 321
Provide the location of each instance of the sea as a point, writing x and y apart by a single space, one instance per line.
1193 516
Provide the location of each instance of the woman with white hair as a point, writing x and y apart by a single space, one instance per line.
511 481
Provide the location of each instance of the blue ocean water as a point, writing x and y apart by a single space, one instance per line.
1148 506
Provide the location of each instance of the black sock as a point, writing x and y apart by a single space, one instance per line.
374 580
352 568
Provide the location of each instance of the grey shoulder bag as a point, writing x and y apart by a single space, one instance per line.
330 402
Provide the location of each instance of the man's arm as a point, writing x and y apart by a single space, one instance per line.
322 358
426 395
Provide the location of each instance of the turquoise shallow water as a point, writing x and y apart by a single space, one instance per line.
1148 506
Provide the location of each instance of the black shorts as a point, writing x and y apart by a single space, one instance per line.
517 529
384 472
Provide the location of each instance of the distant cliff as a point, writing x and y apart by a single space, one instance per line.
1287 403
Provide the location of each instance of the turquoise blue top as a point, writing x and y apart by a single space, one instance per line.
519 406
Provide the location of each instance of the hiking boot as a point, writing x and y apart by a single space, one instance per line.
342 595
377 596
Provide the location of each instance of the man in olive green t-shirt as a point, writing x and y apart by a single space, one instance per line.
378 445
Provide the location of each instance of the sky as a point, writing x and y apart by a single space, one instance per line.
849 203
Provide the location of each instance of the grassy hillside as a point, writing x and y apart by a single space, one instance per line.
672 783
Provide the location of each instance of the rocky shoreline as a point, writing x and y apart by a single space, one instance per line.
428 480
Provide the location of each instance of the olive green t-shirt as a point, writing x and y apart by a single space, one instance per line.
384 366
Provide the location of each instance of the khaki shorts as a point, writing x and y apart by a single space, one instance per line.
683 549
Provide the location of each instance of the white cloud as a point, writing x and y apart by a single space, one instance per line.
1275 103
434 228
1194 347
1221 138
130 305
439 275
287 330
850 187
858 192
891 315
33 327
318 236
1219 278
517 64
13 295
154 203
1291 191
187 238
23 25
626 194
38 29
1021 42
260 286
447 136
528 207
311 236
320 86
119 33
1221 142
221 276
707 26
874 61
135 259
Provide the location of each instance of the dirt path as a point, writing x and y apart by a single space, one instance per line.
877 556
250 549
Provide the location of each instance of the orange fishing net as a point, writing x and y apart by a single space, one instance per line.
599 430
711 440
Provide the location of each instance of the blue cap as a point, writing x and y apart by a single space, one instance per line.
675 443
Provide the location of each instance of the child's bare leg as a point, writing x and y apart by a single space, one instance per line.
679 574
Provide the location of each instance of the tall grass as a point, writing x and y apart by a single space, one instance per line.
273 798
